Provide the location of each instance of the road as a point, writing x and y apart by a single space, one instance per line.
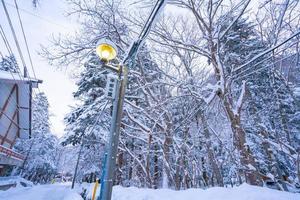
41 192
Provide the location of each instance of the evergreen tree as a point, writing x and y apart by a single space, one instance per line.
9 63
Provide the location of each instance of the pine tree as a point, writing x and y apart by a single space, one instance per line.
9 63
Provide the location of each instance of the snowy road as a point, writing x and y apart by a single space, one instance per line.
41 192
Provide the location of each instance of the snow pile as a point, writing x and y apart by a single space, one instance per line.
243 192
15 180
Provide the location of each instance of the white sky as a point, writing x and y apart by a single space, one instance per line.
47 19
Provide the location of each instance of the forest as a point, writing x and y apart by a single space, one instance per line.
213 97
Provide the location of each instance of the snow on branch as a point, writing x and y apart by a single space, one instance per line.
239 103
144 127
235 20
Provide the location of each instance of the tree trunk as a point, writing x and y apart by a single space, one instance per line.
246 157
156 168
272 159
167 153
211 156
148 178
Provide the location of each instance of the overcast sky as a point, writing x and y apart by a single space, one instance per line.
39 23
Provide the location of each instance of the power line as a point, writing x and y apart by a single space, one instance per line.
37 16
250 67
8 47
15 38
25 39
26 43
268 51
5 40
264 67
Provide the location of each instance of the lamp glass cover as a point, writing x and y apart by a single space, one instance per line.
106 52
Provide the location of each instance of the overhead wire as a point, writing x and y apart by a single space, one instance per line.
268 51
37 16
5 40
264 67
250 67
15 38
9 50
26 43
25 39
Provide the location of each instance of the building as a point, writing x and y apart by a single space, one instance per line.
15 115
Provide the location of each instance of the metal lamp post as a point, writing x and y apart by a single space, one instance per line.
107 51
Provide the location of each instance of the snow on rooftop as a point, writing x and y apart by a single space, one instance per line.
15 77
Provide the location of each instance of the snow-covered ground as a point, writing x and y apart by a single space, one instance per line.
243 192
63 192
41 192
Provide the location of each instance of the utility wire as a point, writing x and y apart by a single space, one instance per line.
4 38
8 47
264 67
37 16
261 62
268 51
130 56
25 39
26 43
15 38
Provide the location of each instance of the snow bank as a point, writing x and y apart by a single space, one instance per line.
15 180
243 192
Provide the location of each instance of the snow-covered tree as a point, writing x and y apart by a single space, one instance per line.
9 63
41 150
194 116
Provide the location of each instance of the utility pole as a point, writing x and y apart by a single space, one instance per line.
77 162
112 150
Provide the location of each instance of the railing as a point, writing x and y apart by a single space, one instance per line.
11 153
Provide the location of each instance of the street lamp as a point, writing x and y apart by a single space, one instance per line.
107 51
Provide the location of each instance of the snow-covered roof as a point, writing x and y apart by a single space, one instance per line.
16 78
